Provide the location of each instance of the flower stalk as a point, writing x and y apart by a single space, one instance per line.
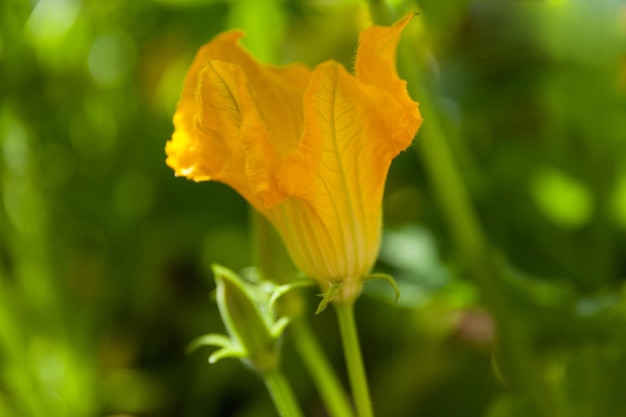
322 374
354 358
282 394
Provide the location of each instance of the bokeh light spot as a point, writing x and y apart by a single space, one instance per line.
167 90
14 142
51 19
111 57
49 361
412 248
562 199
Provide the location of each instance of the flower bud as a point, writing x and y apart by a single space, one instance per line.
254 333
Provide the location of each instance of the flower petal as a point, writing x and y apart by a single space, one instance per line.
276 91
237 120
359 126
187 149
225 115
348 194
376 66
376 55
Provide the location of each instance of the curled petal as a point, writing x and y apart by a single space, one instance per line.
376 66
238 120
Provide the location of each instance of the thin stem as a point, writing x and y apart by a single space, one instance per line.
354 359
321 372
282 395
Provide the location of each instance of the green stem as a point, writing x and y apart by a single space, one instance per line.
354 359
281 394
321 372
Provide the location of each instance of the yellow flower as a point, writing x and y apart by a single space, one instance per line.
310 150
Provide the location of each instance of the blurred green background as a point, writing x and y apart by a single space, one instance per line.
104 254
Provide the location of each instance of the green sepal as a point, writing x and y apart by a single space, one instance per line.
328 296
228 352
239 307
252 328
218 340
287 288
279 327
228 348
388 279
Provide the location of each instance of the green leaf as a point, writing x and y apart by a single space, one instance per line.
248 320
